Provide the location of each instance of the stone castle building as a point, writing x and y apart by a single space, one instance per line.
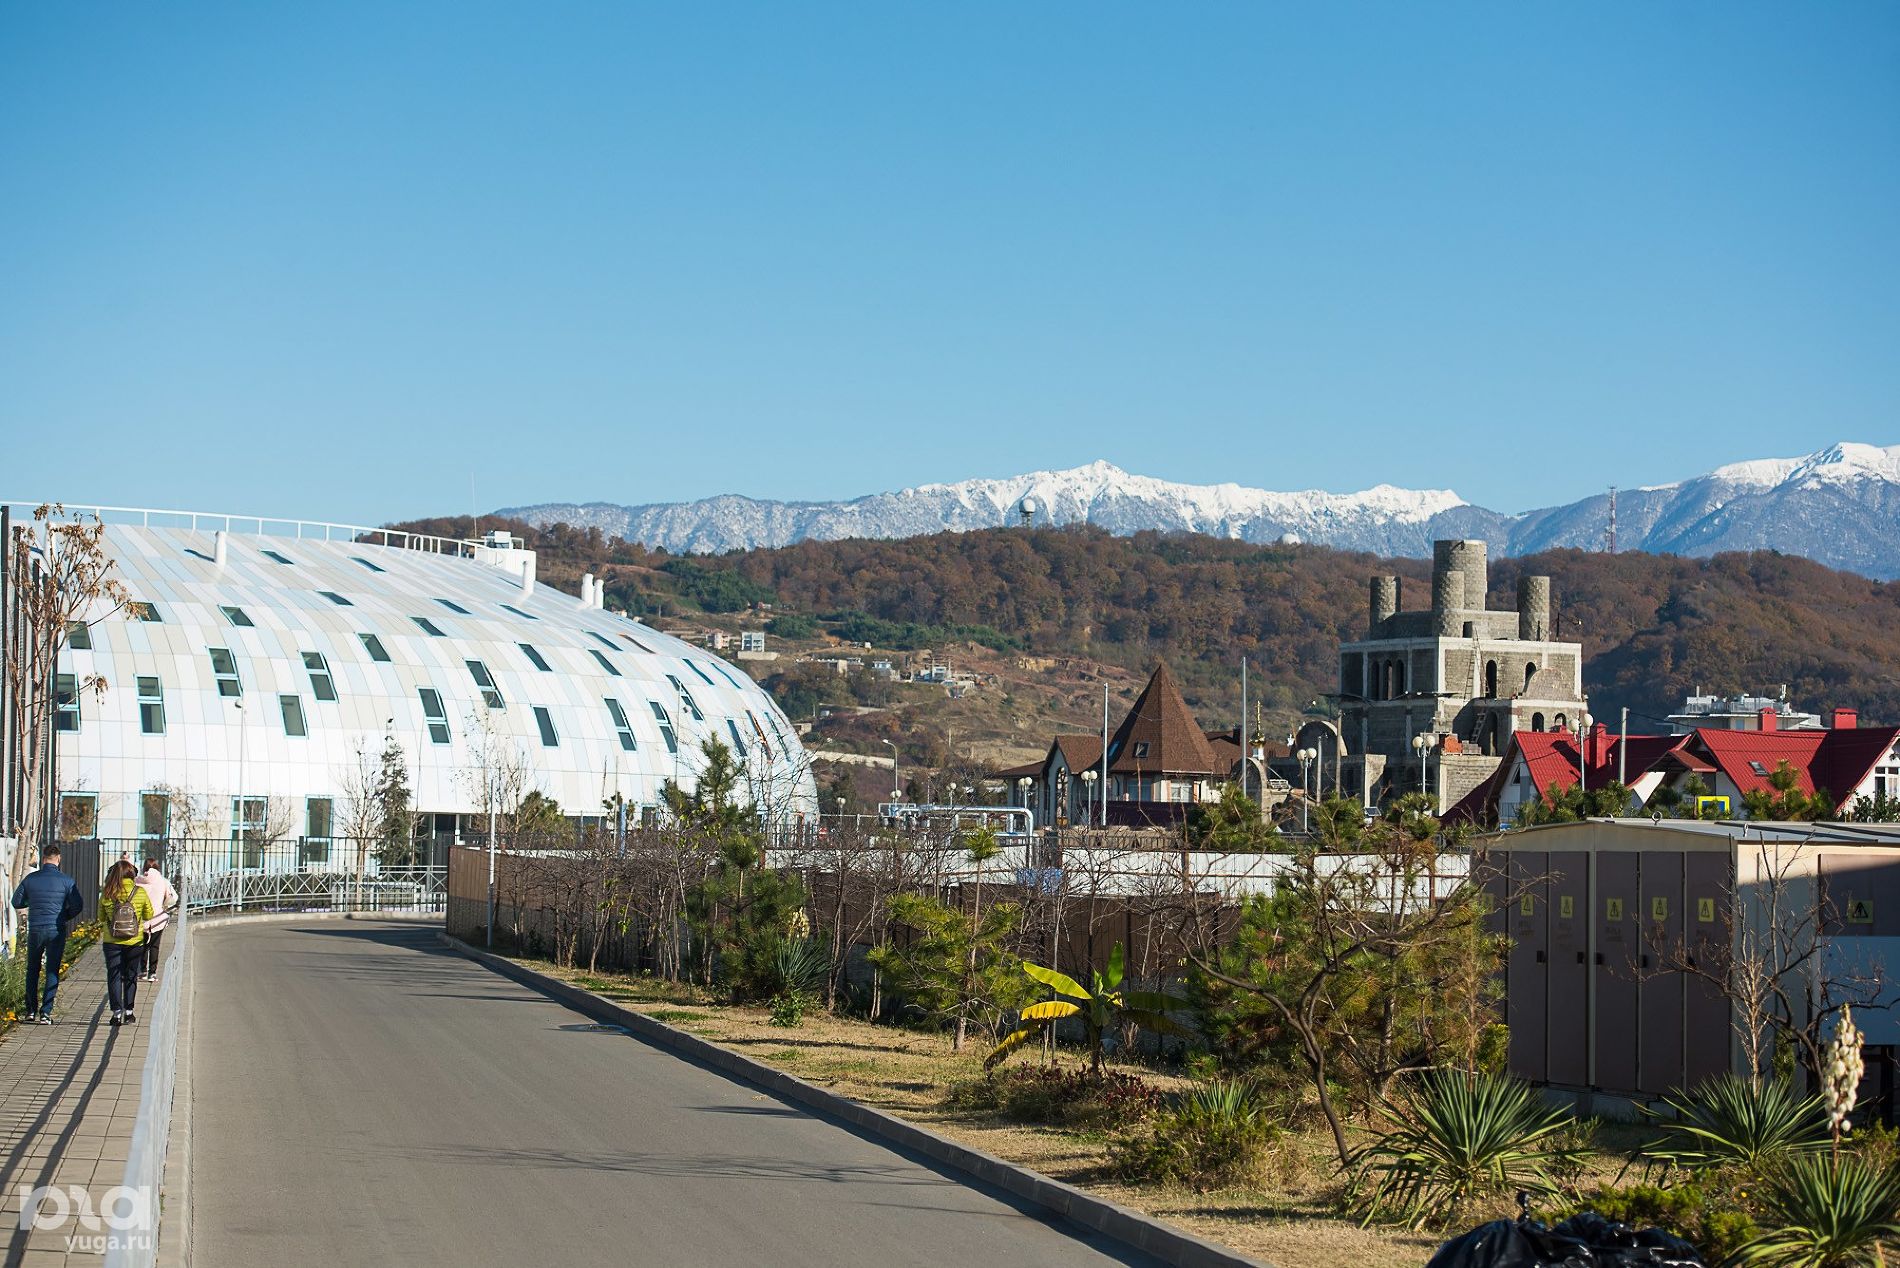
1458 673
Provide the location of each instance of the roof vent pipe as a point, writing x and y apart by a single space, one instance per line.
600 593
587 590
218 547
527 578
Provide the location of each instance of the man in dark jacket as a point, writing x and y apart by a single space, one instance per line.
51 900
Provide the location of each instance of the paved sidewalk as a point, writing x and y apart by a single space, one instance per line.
68 1096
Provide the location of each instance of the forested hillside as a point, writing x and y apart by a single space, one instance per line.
1654 627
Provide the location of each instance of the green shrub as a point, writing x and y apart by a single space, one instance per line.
1218 1136
1825 1211
1457 1138
789 1008
13 970
792 625
1059 1097
1728 1122
1708 1214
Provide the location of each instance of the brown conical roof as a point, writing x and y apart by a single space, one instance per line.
1159 736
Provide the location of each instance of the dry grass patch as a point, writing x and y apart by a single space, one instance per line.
909 1073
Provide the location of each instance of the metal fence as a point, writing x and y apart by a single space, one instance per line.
291 875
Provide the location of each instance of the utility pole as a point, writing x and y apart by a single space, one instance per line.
1104 822
1622 750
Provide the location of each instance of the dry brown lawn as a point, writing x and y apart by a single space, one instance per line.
906 1072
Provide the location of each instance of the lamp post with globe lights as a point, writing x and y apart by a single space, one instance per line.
1422 745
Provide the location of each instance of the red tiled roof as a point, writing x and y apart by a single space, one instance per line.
1159 736
1032 769
1551 757
1739 754
1837 760
1847 756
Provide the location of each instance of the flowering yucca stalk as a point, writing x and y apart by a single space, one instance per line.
1841 1082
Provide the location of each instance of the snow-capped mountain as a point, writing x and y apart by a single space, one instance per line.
1385 519
1840 506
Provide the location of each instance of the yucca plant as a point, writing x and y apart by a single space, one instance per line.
1100 1005
1825 1211
1731 1122
801 964
1456 1136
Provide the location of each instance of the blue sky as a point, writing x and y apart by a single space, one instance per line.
342 261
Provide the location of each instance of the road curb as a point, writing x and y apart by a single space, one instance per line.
1142 1232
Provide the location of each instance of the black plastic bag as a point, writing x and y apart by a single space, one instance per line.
1585 1240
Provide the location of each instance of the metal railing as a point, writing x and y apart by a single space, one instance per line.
258 526
295 875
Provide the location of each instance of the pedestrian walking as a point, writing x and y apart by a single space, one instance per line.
164 903
124 910
52 902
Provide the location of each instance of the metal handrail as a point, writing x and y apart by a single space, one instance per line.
265 524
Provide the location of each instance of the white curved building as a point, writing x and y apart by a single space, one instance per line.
257 660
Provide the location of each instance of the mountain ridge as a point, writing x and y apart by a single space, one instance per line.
1839 506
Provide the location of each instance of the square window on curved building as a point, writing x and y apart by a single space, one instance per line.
485 683
453 606
436 716
428 627
374 646
665 720
224 670
292 708
534 656
237 616
151 706
622 727
545 720
322 686
604 663
141 610
336 598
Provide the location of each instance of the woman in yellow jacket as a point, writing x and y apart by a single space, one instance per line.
124 910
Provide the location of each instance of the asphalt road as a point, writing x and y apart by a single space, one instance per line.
361 1096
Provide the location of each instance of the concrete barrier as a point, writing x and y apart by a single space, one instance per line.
159 1160
1143 1232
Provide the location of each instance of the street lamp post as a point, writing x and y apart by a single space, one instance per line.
1088 785
1421 744
243 807
896 792
1306 756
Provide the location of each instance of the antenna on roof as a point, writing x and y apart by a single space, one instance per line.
1609 534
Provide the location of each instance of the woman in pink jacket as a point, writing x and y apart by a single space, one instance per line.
164 902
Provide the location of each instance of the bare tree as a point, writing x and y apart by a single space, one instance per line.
59 577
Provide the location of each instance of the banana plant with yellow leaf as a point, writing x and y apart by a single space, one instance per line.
1100 1004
